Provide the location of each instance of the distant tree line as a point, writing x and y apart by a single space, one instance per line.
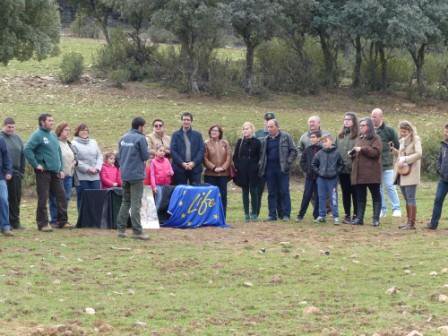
369 33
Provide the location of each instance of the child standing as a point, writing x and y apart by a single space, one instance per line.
327 164
110 174
310 192
160 169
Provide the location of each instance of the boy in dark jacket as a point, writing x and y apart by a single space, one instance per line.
327 164
442 186
310 192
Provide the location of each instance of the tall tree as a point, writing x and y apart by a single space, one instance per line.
255 22
296 22
197 24
328 27
419 25
100 10
367 23
28 28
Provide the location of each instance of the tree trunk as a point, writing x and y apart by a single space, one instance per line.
358 62
329 61
418 56
102 21
248 77
383 60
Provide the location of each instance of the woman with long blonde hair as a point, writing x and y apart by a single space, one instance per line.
407 169
245 160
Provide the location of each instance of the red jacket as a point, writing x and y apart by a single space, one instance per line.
109 175
161 172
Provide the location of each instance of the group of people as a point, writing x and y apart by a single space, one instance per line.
365 154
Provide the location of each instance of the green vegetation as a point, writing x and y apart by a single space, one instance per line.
255 278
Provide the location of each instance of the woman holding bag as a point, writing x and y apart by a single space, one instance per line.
245 160
407 169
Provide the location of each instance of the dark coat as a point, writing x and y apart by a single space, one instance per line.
327 163
287 153
245 159
306 160
366 165
442 162
178 149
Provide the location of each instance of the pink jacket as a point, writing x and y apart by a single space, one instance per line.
161 172
109 175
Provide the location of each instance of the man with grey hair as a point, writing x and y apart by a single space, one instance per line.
313 126
278 152
389 138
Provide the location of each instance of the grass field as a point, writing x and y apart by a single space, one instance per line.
252 279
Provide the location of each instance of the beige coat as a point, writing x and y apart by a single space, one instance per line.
412 151
154 140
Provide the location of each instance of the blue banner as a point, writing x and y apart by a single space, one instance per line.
195 206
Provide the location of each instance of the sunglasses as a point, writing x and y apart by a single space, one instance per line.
158 125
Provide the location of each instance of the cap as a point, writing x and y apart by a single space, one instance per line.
269 115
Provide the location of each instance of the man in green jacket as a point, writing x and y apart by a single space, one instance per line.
389 138
15 149
44 154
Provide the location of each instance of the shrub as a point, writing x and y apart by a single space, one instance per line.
280 69
72 67
160 35
123 56
430 148
84 26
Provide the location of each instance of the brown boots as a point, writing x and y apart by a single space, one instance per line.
411 211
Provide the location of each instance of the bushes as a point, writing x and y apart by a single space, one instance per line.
430 148
280 69
122 60
84 26
72 67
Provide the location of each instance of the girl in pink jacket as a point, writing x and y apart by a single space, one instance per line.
109 174
160 169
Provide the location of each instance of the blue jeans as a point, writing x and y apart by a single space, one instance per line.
278 192
442 190
327 189
67 183
4 207
85 185
389 187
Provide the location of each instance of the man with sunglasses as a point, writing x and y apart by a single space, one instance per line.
158 137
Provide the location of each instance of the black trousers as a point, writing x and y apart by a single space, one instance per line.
46 182
14 198
221 183
361 195
348 194
260 192
186 177
309 194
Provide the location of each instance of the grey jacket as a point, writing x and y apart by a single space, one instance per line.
442 163
305 141
88 155
287 152
327 163
132 154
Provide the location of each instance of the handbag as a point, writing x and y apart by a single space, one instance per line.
404 170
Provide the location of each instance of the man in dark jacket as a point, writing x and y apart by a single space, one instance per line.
278 152
44 154
260 135
389 137
442 186
187 152
310 192
327 164
132 155
5 175
15 149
